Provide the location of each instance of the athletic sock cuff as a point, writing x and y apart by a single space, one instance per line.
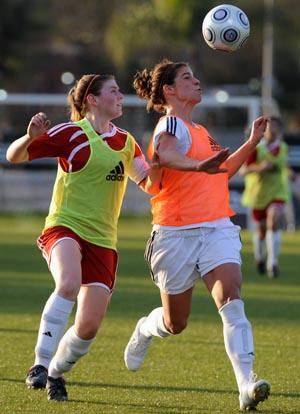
77 341
232 311
61 304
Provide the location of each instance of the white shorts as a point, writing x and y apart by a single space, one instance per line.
177 258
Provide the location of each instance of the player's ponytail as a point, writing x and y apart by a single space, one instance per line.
75 108
149 84
143 84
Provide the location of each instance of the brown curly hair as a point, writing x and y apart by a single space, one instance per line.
87 84
148 84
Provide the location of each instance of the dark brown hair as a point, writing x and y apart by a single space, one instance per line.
148 84
77 95
276 119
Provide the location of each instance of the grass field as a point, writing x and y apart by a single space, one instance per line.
189 373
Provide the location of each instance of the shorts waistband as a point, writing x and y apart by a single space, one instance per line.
195 232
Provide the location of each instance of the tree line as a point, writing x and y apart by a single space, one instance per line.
41 39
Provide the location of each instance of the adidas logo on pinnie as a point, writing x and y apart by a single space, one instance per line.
117 174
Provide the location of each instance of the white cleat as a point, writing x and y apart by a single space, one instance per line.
253 393
136 348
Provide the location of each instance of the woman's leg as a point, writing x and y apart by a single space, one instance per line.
65 267
164 321
258 239
92 305
276 222
224 283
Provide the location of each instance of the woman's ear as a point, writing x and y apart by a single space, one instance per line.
91 99
168 90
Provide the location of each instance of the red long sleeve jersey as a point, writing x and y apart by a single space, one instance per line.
70 145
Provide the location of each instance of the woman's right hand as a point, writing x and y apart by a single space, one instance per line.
212 164
17 151
38 125
266 166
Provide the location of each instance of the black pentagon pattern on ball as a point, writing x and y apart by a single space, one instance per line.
243 19
220 15
230 35
209 35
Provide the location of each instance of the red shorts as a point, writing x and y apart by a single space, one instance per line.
259 215
98 263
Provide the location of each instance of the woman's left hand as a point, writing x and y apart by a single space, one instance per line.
258 129
38 125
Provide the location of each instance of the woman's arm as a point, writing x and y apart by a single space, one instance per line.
151 184
237 159
17 151
262 167
169 156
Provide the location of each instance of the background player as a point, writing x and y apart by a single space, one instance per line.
266 193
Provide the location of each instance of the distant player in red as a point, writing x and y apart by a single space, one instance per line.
95 159
266 193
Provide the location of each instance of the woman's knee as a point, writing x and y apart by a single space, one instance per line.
228 293
68 288
175 325
88 329
221 301
261 233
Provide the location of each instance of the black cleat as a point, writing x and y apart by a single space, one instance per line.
37 377
56 389
274 272
261 267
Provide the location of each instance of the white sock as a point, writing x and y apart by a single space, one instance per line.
259 247
238 339
154 324
52 326
71 348
273 239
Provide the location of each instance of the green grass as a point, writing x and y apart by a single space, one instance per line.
189 373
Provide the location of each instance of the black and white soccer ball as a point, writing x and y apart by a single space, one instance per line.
226 28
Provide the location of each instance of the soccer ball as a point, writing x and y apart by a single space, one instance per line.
226 28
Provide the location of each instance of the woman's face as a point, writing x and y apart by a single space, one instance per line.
273 130
110 100
187 86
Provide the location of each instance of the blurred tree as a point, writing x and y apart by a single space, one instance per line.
287 54
80 32
144 31
150 30
21 24
41 39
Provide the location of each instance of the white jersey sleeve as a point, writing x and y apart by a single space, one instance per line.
176 127
138 169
